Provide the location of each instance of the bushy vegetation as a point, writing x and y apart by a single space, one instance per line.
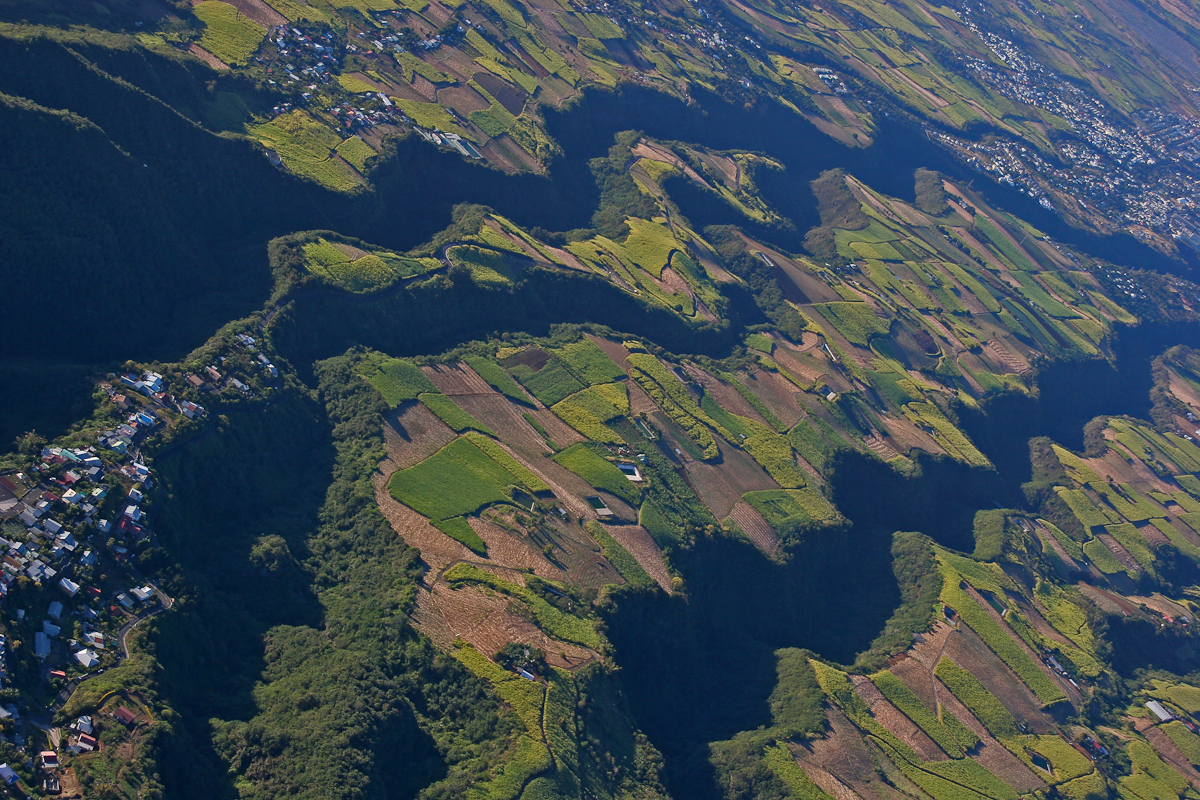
774 453
856 321
305 145
671 396
599 472
785 508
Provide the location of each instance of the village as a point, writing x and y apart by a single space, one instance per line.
75 523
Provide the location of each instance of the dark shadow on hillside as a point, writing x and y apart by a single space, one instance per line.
700 669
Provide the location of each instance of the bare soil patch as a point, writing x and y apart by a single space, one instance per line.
507 549
640 544
425 88
411 434
453 379
1121 554
207 57
507 421
776 393
721 483
1114 464
260 12
437 549
842 752
512 98
969 652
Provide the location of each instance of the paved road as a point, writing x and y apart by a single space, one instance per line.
41 717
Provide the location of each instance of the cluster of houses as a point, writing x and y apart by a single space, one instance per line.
305 57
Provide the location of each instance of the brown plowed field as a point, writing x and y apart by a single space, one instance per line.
776 393
827 781
1068 563
1138 474
969 652
907 435
808 367
726 396
207 57
916 676
560 432
928 650
1003 623
720 486
843 752
480 616
457 379
512 551
996 759
639 401
1172 754
641 546
895 721
1151 534
1161 604
614 350
260 12
1120 553
504 418
412 434
757 528
437 549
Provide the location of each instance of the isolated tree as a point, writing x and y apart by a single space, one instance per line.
30 442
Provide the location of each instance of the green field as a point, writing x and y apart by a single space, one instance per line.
502 457
397 380
459 529
599 472
497 378
356 152
457 480
1103 558
624 563
550 384
783 508
361 273
982 703
449 412
306 147
856 321
487 267
774 453
228 33
950 734
586 411
589 363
